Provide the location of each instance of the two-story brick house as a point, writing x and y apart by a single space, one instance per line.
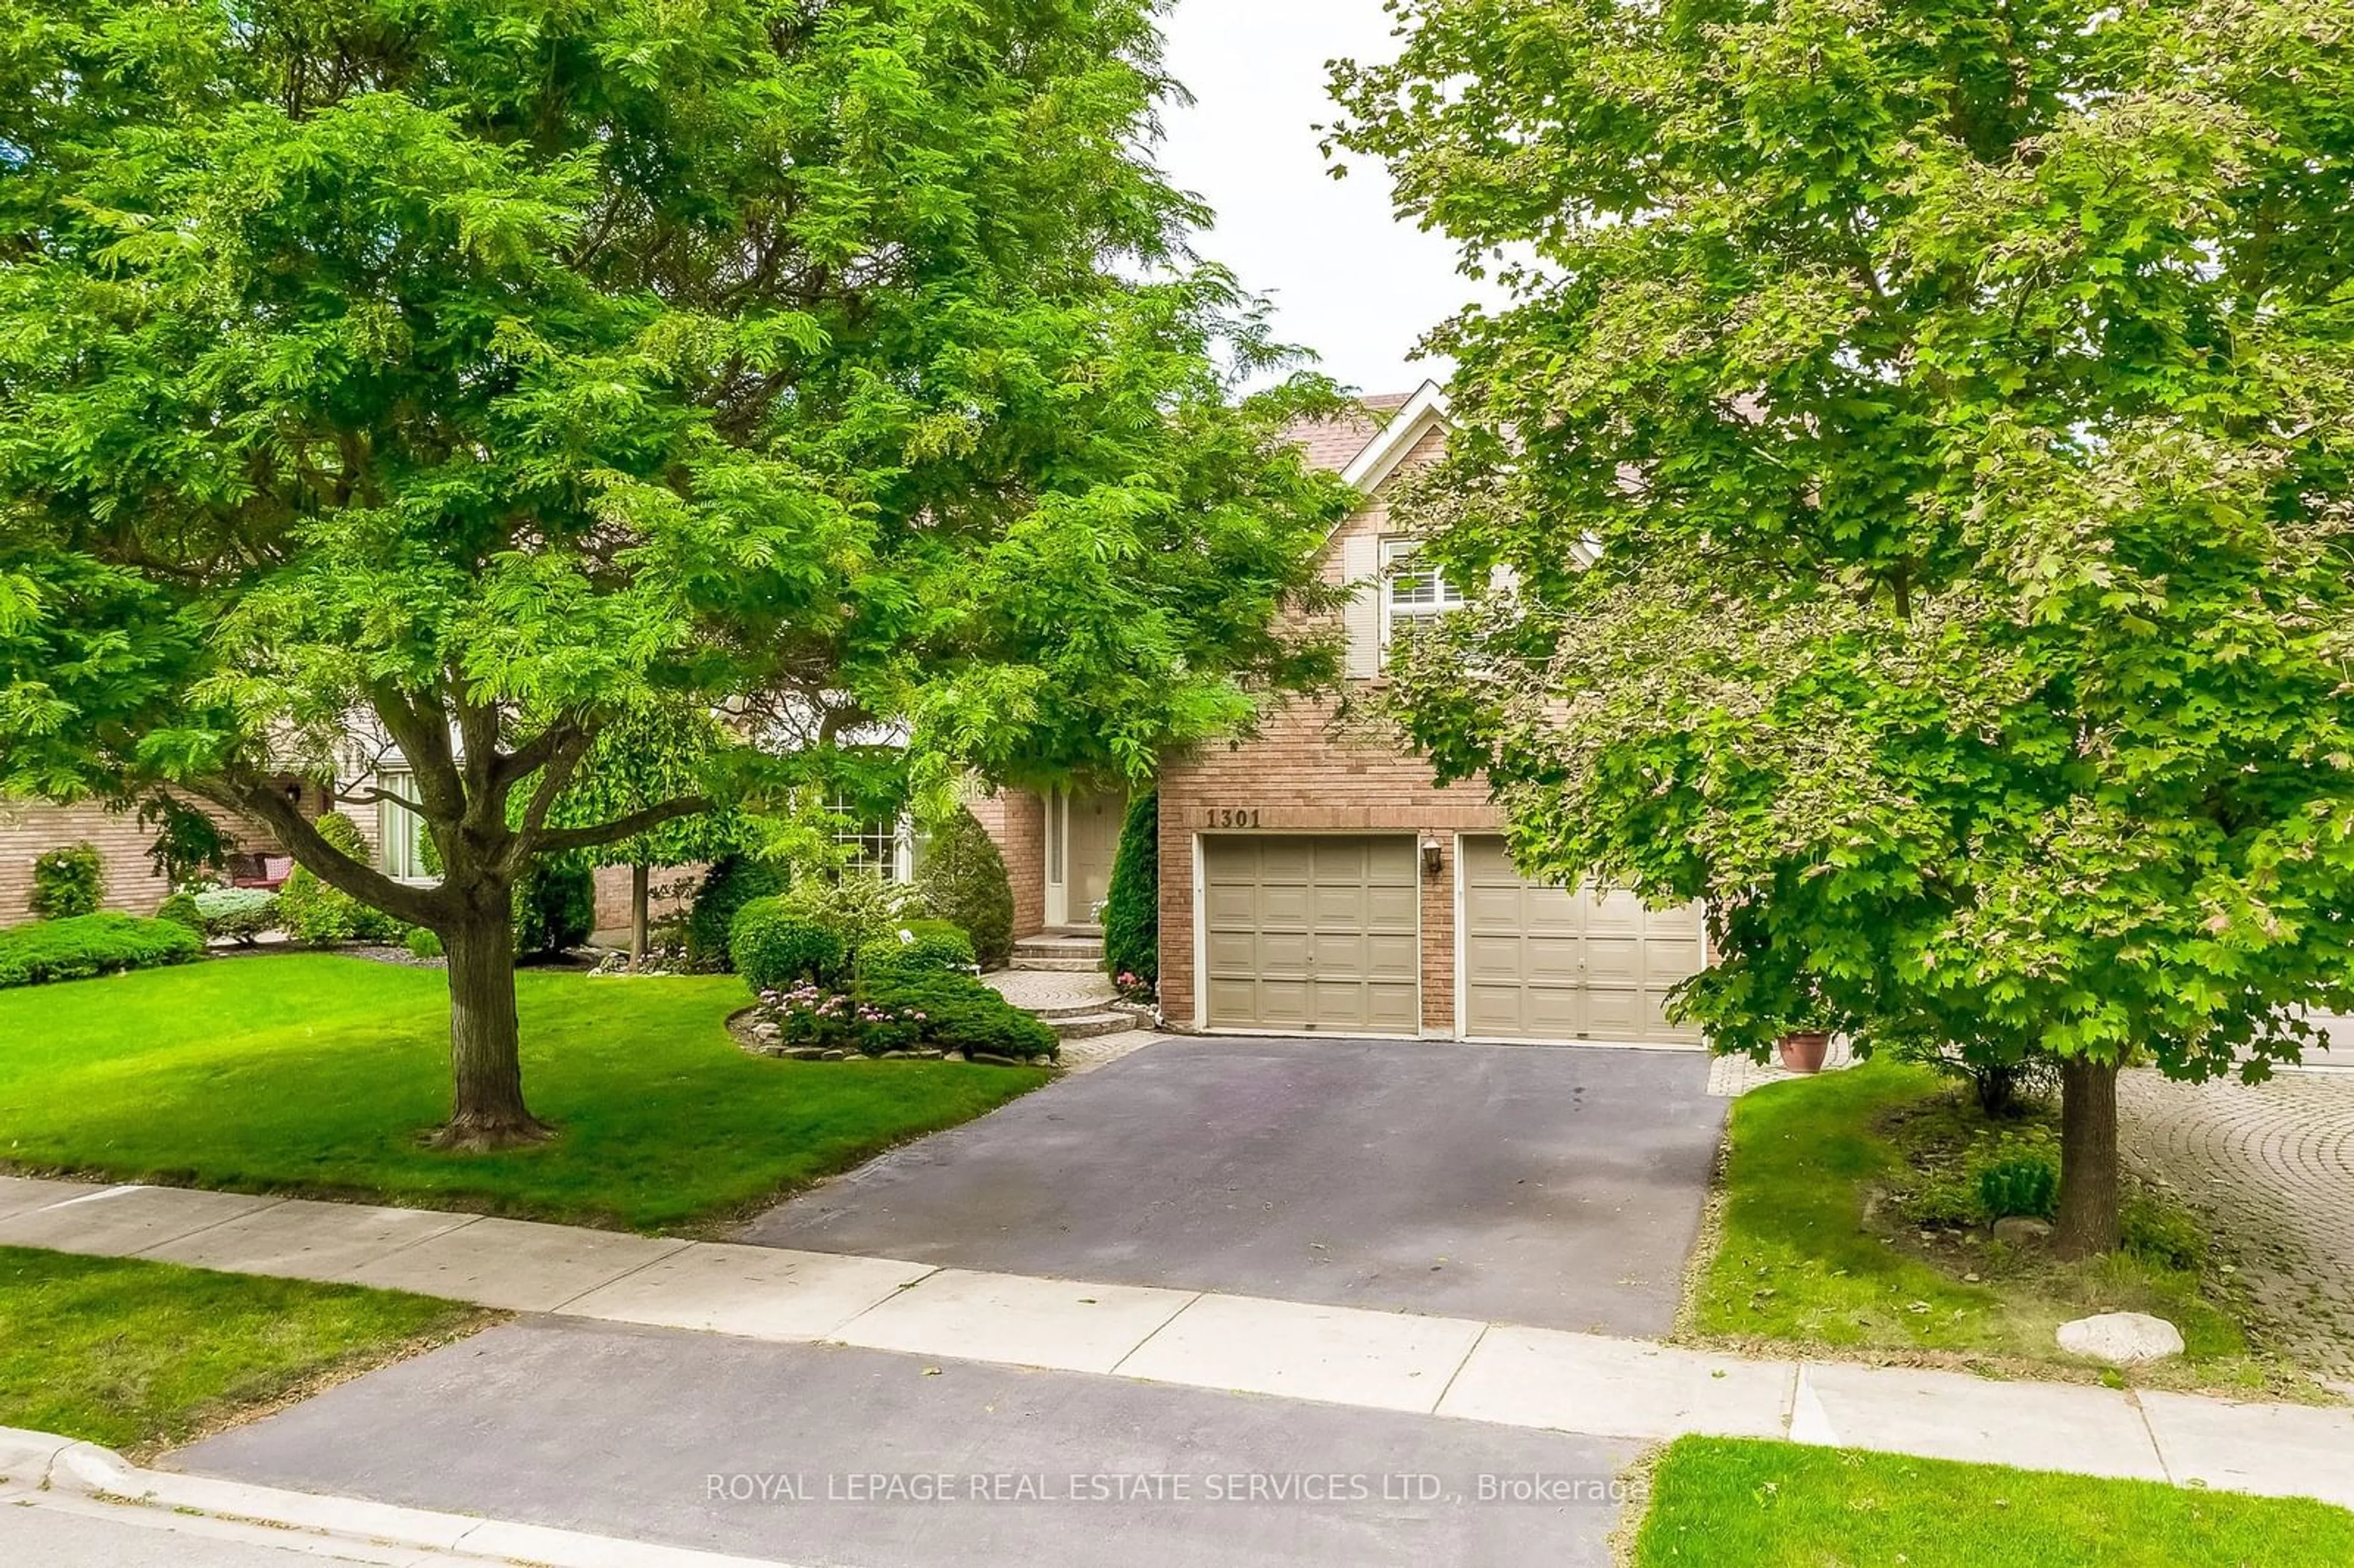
1314 880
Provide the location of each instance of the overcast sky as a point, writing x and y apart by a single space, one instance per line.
1348 281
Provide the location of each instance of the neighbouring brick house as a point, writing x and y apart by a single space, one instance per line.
1315 879
30 829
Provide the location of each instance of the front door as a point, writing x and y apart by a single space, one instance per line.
1082 836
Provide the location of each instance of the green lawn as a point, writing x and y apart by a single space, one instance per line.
1722 1503
1797 1263
317 1073
140 1356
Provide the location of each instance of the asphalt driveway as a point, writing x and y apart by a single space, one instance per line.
1554 1186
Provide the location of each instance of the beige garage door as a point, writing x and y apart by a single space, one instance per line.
1543 964
1320 934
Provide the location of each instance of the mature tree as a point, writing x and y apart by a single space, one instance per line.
1954 402
480 370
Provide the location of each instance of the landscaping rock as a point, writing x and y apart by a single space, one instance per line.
832 1055
2022 1230
2122 1338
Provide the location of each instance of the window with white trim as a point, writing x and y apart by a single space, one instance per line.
400 830
1411 596
879 846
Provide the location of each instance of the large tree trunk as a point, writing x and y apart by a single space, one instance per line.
487 1111
637 897
2088 1220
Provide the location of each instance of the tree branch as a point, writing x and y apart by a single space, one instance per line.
620 827
261 800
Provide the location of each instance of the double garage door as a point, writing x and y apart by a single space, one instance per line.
1322 935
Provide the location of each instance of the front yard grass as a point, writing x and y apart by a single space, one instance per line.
1797 1262
143 1356
1728 1503
313 1074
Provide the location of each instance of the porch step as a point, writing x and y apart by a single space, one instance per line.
1060 966
1087 1025
1053 945
1055 1012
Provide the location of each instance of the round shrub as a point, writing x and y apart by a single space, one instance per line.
240 914
68 882
963 882
423 944
554 906
777 945
181 910
1132 916
733 881
918 947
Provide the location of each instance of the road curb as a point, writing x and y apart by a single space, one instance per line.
42 1466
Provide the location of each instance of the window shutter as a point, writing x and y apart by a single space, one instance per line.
1360 570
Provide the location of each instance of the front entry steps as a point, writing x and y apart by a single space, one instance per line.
1069 994
1060 953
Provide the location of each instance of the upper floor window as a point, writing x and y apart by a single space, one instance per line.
1411 595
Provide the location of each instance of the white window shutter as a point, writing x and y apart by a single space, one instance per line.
1361 569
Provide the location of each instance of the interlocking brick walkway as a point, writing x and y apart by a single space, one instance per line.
2271 1167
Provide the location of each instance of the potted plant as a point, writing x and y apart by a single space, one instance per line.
1803 1047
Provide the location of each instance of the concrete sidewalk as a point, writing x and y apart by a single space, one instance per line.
1449 1367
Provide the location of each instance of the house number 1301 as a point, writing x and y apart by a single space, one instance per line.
1222 818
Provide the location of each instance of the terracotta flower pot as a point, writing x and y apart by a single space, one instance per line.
1802 1050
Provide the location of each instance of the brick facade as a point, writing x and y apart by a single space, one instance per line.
1016 819
1310 771
30 829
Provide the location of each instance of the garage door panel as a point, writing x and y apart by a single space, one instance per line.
1391 863
1543 963
1278 953
1394 1008
1283 905
1613 960
1238 953
1338 908
1487 907
1283 860
1392 955
1549 960
1338 955
1667 959
1394 909
1315 934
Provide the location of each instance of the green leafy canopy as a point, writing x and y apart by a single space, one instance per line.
1920 439
500 374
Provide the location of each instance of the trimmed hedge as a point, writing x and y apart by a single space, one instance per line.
962 1014
929 948
181 909
80 945
733 881
777 945
554 906
1132 916
963 882
68 882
